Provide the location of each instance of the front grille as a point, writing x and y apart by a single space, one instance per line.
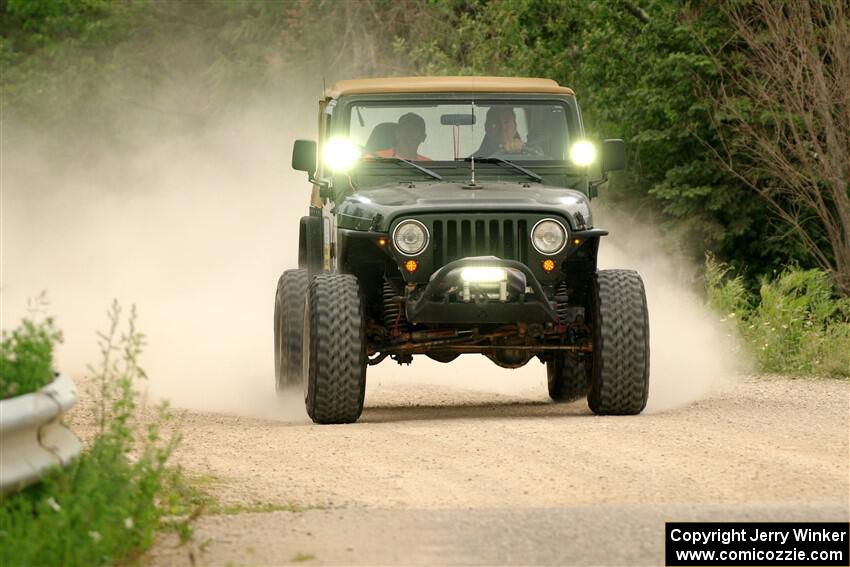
471 236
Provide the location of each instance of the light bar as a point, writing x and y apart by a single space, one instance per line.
483 274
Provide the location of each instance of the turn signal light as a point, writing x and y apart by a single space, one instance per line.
382 242
548 265
576 241
411 266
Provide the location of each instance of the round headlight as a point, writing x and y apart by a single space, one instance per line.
410 237
549 236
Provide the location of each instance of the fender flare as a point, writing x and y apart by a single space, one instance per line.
311 245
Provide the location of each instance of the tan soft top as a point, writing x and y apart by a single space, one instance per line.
446 85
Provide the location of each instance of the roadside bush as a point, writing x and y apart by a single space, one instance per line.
106 507
26 354
796 325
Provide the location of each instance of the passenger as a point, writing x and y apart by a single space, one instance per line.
383 137
500 135
411 134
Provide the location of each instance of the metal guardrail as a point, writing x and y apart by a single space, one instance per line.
33 438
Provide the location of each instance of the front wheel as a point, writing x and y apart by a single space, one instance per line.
335 342
620 377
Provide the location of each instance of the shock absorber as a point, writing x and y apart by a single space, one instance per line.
571 317
394 320
561 305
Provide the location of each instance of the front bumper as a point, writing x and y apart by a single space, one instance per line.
437 303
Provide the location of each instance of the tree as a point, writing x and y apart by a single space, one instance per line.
639 69
787 135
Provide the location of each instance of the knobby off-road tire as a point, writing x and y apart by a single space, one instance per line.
569 377
620 377
336 342
289 328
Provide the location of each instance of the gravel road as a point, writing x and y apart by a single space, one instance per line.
436 475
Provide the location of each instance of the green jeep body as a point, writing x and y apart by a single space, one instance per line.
484 280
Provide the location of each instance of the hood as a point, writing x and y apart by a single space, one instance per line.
375 208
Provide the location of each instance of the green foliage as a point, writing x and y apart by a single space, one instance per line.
645 79
103 68
54 53
643 71
506 37
105 507
26 354
796 325
726 295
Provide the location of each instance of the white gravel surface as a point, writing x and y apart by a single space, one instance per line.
435 475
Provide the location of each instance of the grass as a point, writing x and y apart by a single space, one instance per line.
106 507
206 480
260 508
300 557
26 353
796 325
195 494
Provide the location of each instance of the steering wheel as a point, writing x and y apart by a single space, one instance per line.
526 151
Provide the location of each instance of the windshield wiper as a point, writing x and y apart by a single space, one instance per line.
517 167
397 159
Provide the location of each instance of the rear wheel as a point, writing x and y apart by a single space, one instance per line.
569 377
289 328
335 342
620 377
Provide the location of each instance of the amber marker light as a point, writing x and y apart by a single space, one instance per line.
382 242
548 265
411 266
576 241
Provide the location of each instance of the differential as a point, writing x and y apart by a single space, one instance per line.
509 358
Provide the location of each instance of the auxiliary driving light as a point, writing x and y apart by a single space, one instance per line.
583 153
483 274
341 154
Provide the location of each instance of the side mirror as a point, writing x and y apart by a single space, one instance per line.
304 156
613 155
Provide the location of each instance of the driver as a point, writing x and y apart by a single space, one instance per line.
500 135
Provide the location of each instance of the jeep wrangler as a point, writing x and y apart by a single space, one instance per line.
451 215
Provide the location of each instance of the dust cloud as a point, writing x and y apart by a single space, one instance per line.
691 352
192 230
195 230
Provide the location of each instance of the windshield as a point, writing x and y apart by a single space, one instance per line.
526 131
